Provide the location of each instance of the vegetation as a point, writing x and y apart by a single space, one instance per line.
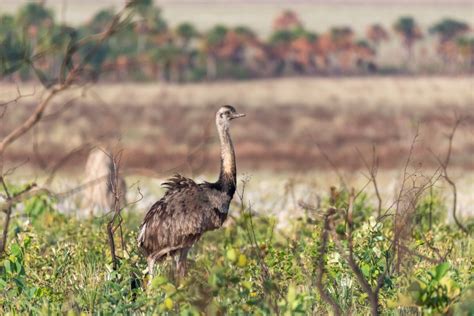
148 48
57 264
349 253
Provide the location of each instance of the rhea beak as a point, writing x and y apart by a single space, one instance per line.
237 115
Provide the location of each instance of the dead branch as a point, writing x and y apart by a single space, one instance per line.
72 77
4 105
64 84
58 165
18 96
65 106
373 169
401 192
436 251
321 266
372 293
444 166
333 166
30 122
116 221
10 198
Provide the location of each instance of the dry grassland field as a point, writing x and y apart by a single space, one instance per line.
160 125
291 125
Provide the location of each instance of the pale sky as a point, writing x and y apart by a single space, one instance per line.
316 15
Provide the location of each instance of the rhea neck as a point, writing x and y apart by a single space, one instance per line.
227 176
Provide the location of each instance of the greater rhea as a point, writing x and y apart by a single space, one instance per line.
188 209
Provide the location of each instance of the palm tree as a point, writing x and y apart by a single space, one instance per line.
169 59
97 24
32 16
365 54
376 34
409 31
448 30
293 50
213 40
7 25
287 20
245 32
186 32
36 25
465 46
57 49
100 20
14 52
342 38
255 52
143 6
280 44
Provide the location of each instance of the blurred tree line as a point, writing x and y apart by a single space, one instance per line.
33 43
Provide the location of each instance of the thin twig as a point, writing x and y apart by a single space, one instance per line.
321 267
444 166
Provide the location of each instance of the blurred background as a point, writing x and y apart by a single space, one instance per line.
323 83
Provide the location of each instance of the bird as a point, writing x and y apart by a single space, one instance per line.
188 209
102 183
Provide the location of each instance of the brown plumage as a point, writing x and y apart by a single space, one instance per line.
187 210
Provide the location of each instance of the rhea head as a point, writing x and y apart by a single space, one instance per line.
226 114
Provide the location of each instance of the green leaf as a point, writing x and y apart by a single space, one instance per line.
169 289
441 270
232 255
365 270
8 266
158 281
15 250
291 294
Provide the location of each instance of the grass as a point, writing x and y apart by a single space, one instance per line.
368 92
58 264
285 120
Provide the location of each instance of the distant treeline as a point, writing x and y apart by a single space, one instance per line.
33 43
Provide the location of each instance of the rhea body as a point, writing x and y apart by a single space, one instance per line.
189 209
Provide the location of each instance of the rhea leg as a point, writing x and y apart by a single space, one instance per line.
181 264
151 266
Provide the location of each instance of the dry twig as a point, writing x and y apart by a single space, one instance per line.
444 164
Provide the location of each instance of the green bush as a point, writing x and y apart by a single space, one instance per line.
58 264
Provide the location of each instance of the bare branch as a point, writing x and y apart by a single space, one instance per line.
8 209
321 267
373 169
350 258
444 166
333 166
112 226
18 97
38 112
